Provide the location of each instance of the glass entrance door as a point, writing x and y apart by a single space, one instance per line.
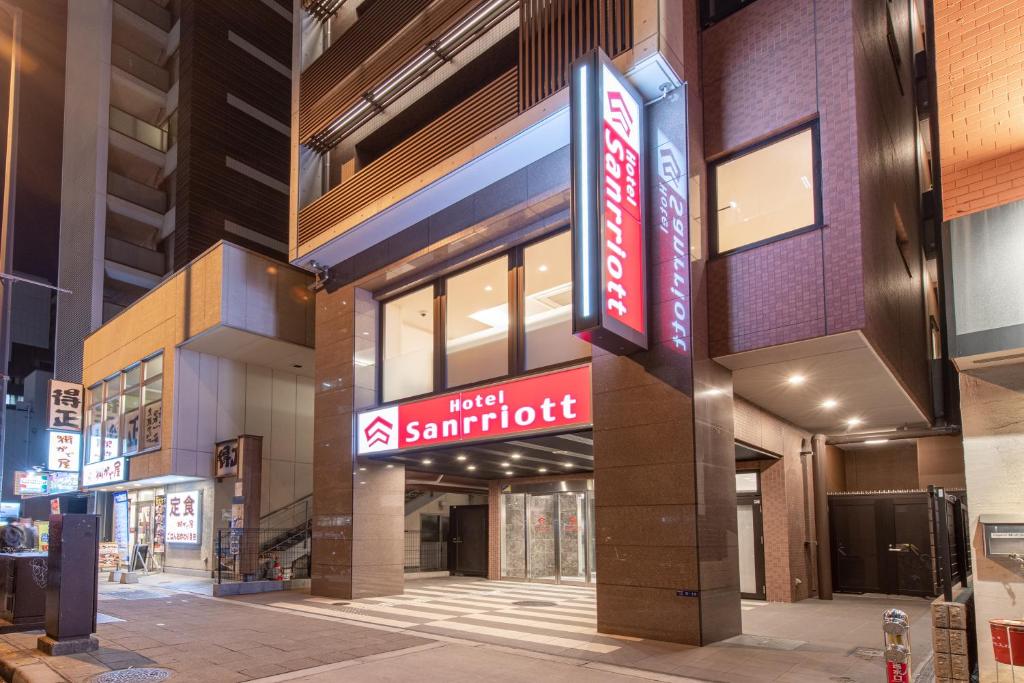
547 537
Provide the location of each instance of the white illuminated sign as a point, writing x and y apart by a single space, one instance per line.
183 518
65 452
110 471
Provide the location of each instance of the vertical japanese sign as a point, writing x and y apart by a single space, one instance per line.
121 524
608 223
65 450
152 424
226 458
64 406
159 523
131 431
183 518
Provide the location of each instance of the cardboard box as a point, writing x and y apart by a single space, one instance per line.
957 615
943 667
940 615
959 668
940 640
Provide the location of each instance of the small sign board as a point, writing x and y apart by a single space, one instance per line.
64 406
226 458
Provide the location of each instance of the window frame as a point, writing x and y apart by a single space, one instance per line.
713 208
139 390
707 21
516 334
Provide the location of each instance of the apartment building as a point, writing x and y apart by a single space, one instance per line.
176 136
791 340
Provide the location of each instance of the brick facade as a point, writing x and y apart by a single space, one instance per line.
979 64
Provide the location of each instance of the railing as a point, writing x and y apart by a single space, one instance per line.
290 516
263 554
426 556
140 67
139 130
482 112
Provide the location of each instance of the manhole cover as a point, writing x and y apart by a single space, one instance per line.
533 603
132 675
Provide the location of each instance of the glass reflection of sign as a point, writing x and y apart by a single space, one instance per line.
183 520
109 471
64 453
609 239
152 424
64 406
539 403
30 483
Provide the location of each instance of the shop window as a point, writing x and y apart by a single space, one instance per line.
747 482
766 192
130 426
94 424
111 416
408 354
477 323
547 304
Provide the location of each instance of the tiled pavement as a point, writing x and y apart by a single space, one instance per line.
445 629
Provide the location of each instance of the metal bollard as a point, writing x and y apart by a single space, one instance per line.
896 640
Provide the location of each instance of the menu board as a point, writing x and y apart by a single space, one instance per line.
109 555
121 524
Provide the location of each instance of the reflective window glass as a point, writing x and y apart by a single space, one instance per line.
408 361
547 305
477 325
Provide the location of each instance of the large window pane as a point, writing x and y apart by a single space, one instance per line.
409 345
547 306
766 193
477 323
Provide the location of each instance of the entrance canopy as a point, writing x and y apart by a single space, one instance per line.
527 457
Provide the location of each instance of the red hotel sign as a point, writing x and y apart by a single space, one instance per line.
609 241
555 400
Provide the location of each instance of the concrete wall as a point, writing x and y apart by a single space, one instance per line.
978 64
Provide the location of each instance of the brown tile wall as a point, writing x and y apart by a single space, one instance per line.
979 66
877 469
771 67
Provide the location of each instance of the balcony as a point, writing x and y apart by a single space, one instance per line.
144 28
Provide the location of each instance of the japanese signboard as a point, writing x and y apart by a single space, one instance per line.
65 450
608 222
109 471
226 457
61 482
8 510
111 433
30 483
152 424
64 406
131 431
121 513
183 518
554 400
159 523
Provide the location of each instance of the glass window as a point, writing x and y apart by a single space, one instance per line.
547 305
130 402
111 416
94 424
747 482
767 192
477 323
409 345
154 366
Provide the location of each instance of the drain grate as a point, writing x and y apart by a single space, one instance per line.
133 675
533 603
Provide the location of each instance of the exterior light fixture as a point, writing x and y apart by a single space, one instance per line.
426 461
875 442
854 421
796 380
829 403
470 467
542 470
515 456
460 458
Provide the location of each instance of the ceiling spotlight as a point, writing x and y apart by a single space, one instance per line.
390 466
362 469
515 456
460 458
488 288
854 421
426 461
505 464
508 472
875 442
796 380
470 467
567 465
542 469
542 268
829 403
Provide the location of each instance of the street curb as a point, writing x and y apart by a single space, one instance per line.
24 668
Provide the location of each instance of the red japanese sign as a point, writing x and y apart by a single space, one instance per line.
897 672
532 404
183 518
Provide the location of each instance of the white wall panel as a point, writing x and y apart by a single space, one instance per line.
282 422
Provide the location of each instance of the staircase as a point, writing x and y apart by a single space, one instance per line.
295 521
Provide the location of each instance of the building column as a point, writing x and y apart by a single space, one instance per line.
358 514
992 410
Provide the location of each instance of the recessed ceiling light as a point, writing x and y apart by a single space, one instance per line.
829 403
460 458
508 472
796 380
515 456
542 268
875 442
854 421
505 464
542 469
470 467
567 465
390 466
362 469
713 391
488 288
426 461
